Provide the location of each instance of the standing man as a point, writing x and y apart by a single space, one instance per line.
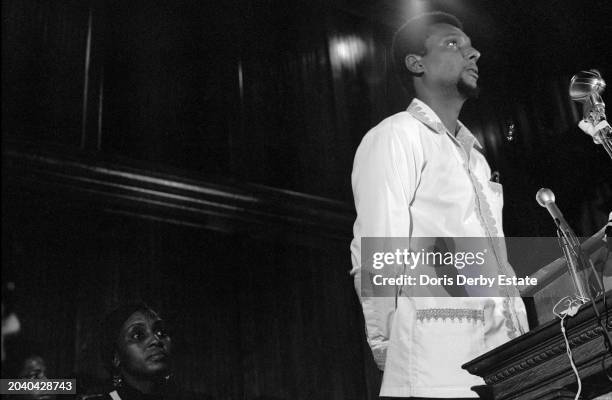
419 174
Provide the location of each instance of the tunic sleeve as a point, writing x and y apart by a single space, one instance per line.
386 171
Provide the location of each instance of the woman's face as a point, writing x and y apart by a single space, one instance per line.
144 346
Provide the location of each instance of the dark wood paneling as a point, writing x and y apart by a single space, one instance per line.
251 316
43 70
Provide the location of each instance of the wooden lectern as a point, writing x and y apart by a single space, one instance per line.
535 366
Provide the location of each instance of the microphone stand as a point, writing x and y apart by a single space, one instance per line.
603 134
577 262
575 259
586 87
572 262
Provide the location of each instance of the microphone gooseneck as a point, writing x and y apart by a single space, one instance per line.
570 245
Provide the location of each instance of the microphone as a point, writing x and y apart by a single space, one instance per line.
570 245
546 198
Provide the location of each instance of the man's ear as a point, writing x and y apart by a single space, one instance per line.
413 63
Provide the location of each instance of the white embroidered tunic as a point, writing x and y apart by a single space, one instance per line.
412 178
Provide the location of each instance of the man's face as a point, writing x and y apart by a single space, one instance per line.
450 60
34 368
144 346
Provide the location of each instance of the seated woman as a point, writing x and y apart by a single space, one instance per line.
137 350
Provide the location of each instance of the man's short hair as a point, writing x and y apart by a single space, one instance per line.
410 39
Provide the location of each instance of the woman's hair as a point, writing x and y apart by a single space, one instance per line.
111 327
410 39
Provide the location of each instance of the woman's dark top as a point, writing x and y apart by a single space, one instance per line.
126 392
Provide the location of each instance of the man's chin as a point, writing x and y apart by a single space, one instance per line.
470 91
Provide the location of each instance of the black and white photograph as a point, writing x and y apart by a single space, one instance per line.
306 200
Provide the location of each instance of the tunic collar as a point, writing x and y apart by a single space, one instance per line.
428 117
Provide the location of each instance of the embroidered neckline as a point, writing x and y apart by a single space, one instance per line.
428 117
450 313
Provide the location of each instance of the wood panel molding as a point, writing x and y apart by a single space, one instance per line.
180 197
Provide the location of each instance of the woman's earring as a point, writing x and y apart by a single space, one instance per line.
117 381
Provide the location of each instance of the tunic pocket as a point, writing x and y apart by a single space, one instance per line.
445 339
497 189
